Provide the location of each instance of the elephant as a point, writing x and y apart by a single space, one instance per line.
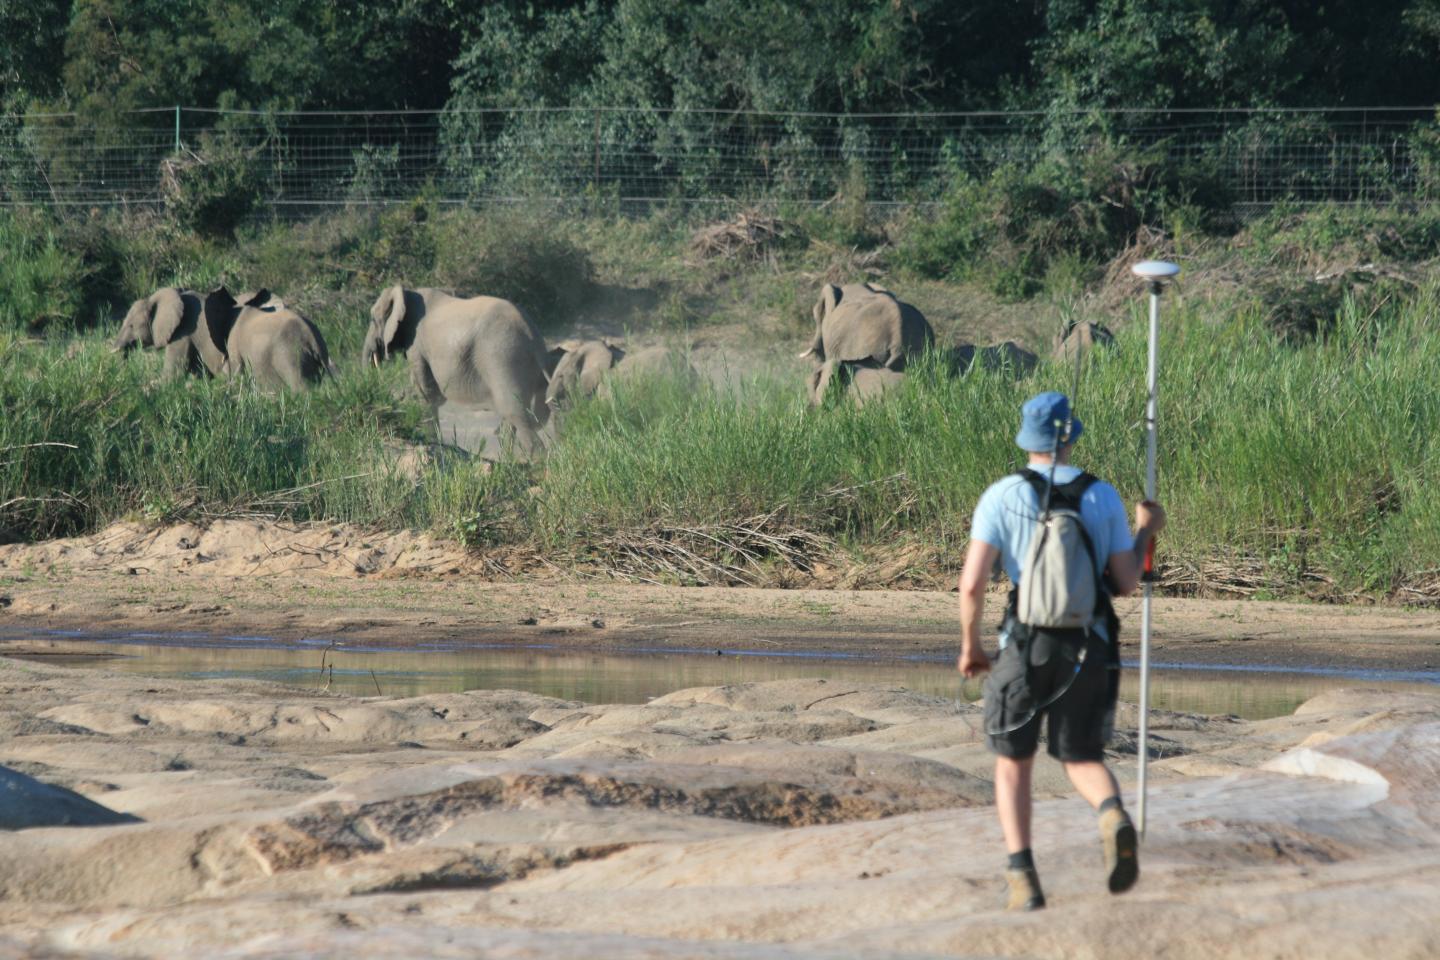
174 320
866 381
276 345
580 369
1008 356
860 381
584 368
1083 336
481 351
865 322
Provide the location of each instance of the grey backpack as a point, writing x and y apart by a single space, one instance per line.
1059 585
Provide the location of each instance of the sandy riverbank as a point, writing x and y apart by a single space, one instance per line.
402 589
790 819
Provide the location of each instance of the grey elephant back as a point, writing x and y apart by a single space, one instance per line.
871 324
861 383
1083 336
659 361
870 383
1007 357
278 347
479 352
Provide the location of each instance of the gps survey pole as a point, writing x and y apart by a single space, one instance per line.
1154 273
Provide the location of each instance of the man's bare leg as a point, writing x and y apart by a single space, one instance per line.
1013 804
1092 780
1012 801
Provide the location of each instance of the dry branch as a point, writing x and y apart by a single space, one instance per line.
748 236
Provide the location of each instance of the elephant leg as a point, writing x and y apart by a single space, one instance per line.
820 384
515 415
289 369
429 388
178 360
540 410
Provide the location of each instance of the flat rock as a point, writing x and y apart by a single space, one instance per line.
800 818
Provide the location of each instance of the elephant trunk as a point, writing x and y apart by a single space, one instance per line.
817 345
372 353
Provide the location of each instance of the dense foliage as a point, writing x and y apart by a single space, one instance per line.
100 56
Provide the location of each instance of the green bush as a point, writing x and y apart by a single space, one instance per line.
41 283
217 188
1335 235
1009 228
1308 464
1295 468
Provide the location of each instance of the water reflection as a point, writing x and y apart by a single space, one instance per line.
632 678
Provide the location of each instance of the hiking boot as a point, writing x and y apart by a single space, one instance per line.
1122 862
1024 890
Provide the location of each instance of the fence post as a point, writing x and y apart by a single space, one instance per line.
177 128
597 149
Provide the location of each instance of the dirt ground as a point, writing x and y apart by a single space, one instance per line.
787 819
777 820
401 589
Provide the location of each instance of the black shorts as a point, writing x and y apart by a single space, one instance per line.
1028 676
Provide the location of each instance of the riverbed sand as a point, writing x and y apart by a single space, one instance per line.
403 589
787 819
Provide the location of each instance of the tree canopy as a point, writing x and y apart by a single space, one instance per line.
97 57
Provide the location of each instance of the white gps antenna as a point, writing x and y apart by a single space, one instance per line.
1155 273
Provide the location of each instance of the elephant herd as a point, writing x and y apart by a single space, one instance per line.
218 334
478 351
865 335
485 352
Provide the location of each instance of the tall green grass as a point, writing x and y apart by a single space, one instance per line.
39 279
90 436
1280 465
1288 465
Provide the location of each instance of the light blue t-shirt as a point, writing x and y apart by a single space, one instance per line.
1006 515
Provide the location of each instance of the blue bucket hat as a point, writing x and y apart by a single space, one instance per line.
1042 417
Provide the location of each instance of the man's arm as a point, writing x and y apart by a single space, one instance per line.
979 561
1125 567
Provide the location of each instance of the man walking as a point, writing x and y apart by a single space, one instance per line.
1064 676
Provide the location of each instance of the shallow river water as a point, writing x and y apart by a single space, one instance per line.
633 676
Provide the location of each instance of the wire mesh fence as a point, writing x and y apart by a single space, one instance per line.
1256 157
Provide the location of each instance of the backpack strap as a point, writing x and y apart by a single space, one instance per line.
1064 495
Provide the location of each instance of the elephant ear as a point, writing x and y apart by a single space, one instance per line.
169 313
553 356
598 359
219 314
256 298
396 316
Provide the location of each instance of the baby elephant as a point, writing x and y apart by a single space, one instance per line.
584 367
1082 336
861 382
174 320
279 347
